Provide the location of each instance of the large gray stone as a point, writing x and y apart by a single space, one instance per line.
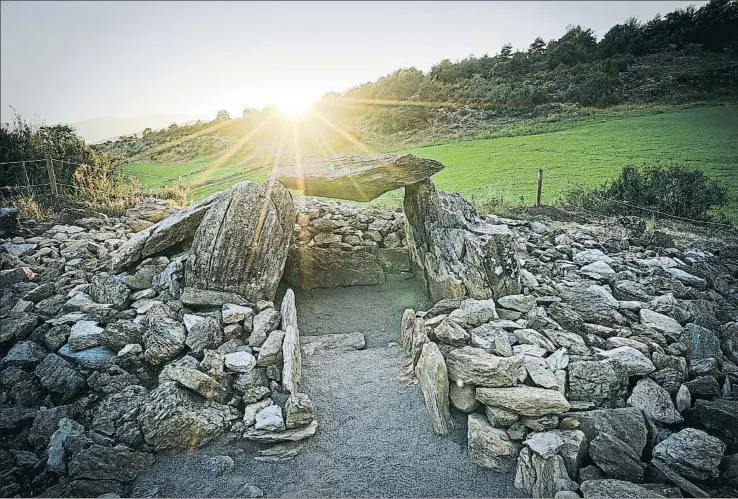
58 375
164 339
433 376
615 488
480 368
174 418
489 447
358 177
691 452
242 242
655 402
162 235
595 382
455 251
626 423
571 445
616 458
525 400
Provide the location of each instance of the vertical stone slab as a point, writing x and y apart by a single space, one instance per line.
242 242
434 385
291 353
455 250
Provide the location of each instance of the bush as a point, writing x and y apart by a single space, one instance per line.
672 190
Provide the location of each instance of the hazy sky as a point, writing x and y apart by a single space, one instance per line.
70 61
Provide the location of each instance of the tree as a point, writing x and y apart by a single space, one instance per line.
222 115
146 132
538 47
506 51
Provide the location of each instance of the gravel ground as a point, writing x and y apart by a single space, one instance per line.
374 438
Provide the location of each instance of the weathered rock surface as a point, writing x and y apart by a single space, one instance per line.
655 402
164 234
173 418
615 488
525 400
480 368
311 267
342 342
489 447
242 241
457 252
691 452
433 376
358 177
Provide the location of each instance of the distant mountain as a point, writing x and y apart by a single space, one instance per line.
110 128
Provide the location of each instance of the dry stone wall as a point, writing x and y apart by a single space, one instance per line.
343 244
613 373
100 370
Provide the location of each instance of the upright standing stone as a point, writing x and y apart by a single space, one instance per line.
455 250
242 242
434 385
292 369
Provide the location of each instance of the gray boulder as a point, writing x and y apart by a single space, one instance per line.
525 400
480 368
616 458
241 244
655 402
313 267
691 452
456 252
489 447
358 177
166 233
57 375
173 418
164 339
433 378
615 488
298 410
626 424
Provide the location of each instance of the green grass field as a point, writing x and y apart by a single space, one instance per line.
504 169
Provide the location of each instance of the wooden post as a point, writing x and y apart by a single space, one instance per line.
540 184
52 175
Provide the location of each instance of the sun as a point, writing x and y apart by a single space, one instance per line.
294 106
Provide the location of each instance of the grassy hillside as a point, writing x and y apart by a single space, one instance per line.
503 169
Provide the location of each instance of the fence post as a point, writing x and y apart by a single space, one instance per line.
52 175
540 184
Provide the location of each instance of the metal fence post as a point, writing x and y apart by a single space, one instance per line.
52 175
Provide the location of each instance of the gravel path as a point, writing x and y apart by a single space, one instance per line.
374 438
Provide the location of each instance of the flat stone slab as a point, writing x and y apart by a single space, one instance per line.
357 177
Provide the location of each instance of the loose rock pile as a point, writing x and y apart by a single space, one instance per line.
613 374
342 244
99 369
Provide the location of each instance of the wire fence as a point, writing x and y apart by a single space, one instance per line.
485 197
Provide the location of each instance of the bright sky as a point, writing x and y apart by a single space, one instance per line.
71 61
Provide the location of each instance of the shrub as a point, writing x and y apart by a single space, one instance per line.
672 190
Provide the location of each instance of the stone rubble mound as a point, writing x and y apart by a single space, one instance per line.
100 369
612 372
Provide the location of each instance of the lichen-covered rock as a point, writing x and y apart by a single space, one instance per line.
57 375
162 235
626 423
691 452
117 413
98 462
525 400
480 368
489 447
463 396
108 289
655 402
242 241
174 418
358 177
615 488
433 376
298 410
616 458
455 250
164 339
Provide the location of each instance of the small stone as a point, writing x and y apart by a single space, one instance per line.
298 410
239 362
233 313
270 419
250 411
220 465
85 334
463 397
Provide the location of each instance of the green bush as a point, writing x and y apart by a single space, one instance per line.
672 190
